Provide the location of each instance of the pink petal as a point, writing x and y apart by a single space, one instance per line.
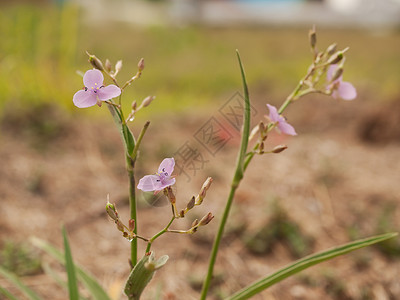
286 128
273 113
330 71
167 166
167 182
346 91
93 78
84 99
108 92
150 183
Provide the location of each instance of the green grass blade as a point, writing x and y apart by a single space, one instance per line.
70 268
305 263
89 281
246 124
18 283
6 293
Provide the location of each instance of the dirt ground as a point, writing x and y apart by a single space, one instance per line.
337 181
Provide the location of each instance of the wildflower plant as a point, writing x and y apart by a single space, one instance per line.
324 76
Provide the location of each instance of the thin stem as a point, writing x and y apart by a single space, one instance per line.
150 241
132 204
235 183
217 241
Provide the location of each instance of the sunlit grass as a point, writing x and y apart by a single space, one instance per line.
42 47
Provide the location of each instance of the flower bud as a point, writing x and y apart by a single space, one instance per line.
95 62
203 191
331 49
337 74
170 195
279 149
195 222
141 65
111 211
131 224
182 213
107 65
191 203
118 66
120 226
147 101
206 219
253 132
334 59
134 105
313 37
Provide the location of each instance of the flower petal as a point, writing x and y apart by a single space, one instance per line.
108 92
330 71
347 91
150 183
167 166
167 182
93 78
84 99
273 113
286 128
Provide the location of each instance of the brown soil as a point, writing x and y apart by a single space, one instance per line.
337 181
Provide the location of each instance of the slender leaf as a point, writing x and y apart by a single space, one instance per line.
18 283
88 280
246 125
126 134
6 293
69 266
305 263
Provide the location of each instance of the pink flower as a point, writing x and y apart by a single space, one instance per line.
280 121
341 89
94 91
160 180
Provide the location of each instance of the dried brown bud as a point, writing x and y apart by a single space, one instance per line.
279 149
120 226
190 204
334 59
118 66
147 101
108 65
182 213
206 219
95 62
170 195
195 222
313 37
141 65
131 224
202 194
331 49
134 105
337 74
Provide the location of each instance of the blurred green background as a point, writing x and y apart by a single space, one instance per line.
42 47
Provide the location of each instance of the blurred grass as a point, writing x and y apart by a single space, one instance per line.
42 47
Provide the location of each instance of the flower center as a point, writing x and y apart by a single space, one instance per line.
94 89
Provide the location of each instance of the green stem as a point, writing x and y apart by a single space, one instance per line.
159 234
132 204
235 183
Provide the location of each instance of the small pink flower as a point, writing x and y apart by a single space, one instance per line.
94 91
280 121
160 180
341 89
